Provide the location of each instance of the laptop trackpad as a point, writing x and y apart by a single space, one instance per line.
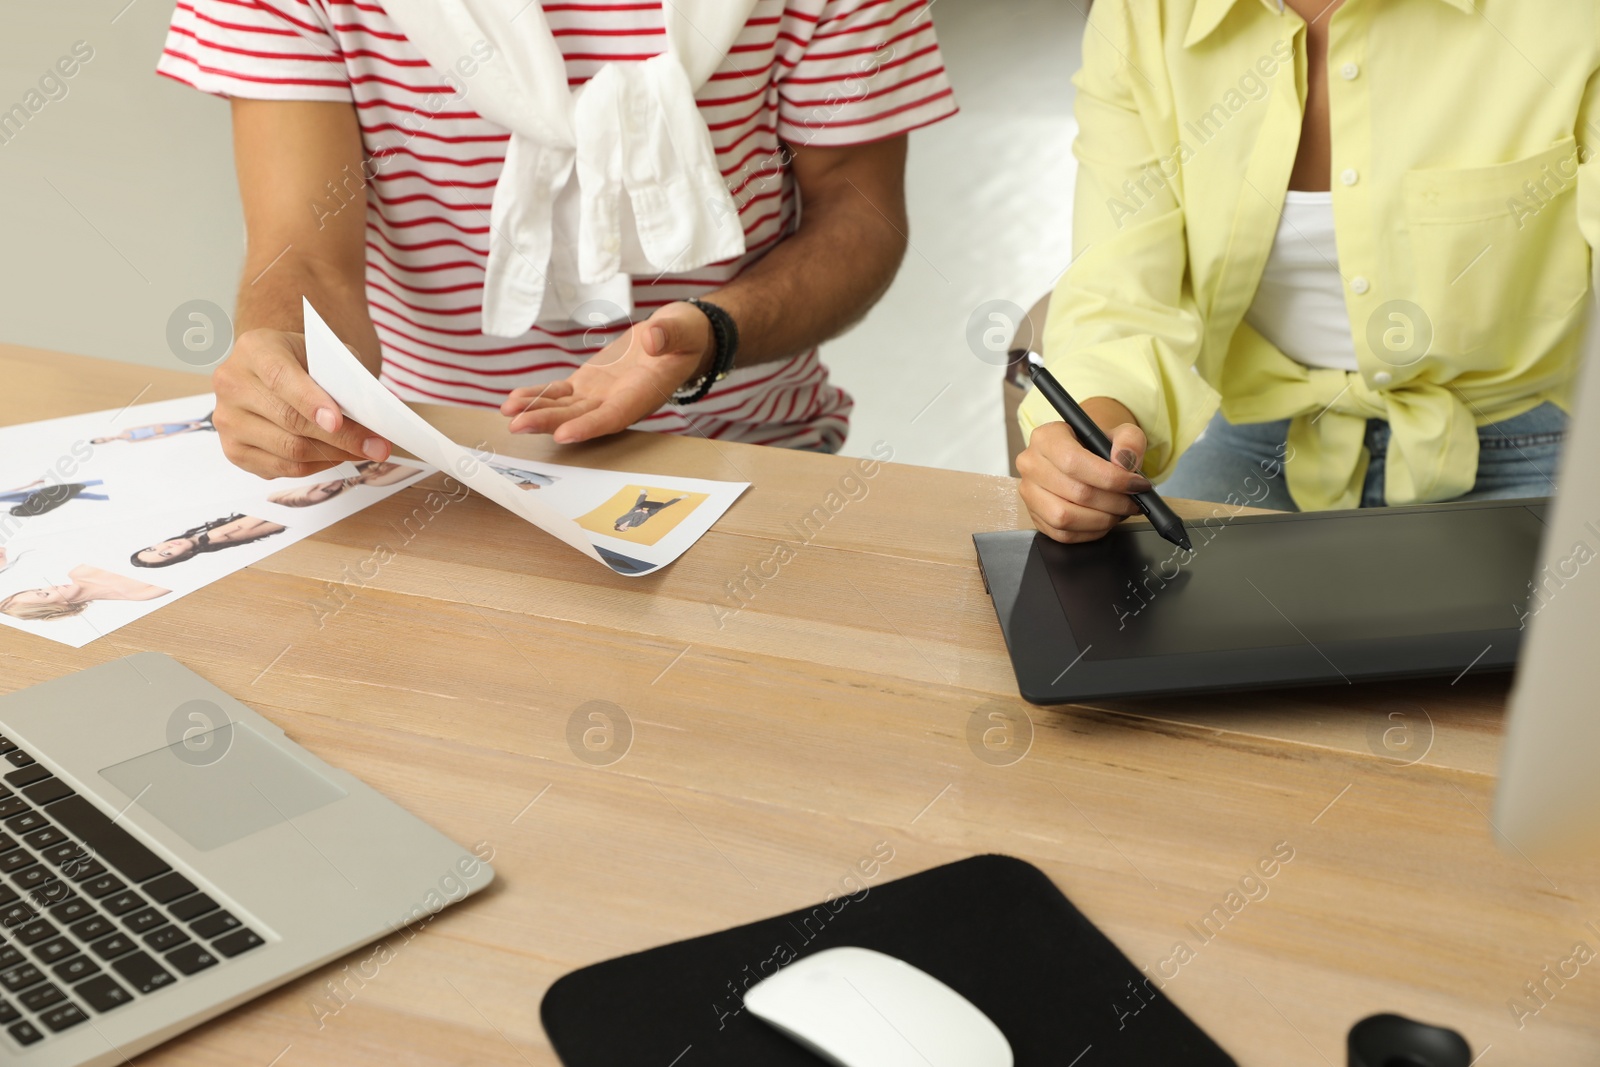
217 787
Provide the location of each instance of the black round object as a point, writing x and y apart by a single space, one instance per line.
1395 1041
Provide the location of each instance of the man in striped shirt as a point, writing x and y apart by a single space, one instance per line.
366 180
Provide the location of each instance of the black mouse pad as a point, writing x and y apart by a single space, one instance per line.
993 928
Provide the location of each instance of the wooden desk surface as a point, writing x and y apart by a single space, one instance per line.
774 747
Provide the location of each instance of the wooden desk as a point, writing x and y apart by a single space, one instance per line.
772 752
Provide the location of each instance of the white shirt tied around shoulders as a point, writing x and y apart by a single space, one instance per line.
616 179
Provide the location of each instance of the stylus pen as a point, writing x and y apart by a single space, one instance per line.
1094 439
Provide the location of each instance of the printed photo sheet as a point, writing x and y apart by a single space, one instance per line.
109 516
633 523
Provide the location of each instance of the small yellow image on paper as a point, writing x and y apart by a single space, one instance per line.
643 514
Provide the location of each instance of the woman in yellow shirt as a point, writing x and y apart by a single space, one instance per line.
1348 241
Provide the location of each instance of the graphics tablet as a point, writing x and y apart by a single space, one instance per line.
1267 600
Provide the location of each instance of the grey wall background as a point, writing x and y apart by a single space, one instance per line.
118 204
118 200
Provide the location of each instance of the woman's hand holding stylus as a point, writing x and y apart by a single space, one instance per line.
1073 495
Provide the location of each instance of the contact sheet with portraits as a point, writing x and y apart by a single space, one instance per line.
108 516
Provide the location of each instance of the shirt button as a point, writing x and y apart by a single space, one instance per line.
1350 72
1360 285
1350 177
1383 377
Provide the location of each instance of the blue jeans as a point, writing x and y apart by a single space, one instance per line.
1517 458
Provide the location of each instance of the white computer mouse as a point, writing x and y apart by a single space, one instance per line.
858 1008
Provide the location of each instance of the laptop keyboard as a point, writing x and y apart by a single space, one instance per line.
90 919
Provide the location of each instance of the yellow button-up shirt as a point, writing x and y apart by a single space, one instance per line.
1465 202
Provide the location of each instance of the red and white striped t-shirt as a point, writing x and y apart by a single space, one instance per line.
802 72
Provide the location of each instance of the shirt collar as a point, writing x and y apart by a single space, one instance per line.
1208 15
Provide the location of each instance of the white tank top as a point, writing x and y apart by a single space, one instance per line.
1300 305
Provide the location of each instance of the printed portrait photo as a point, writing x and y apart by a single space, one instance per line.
42 497
84 586
642 514
368 473
230 531
157 431
525 479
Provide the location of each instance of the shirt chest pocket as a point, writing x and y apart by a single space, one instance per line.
1496 248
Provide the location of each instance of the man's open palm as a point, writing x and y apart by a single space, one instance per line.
624 382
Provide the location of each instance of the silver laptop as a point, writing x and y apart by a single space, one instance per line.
1549 799
166 854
